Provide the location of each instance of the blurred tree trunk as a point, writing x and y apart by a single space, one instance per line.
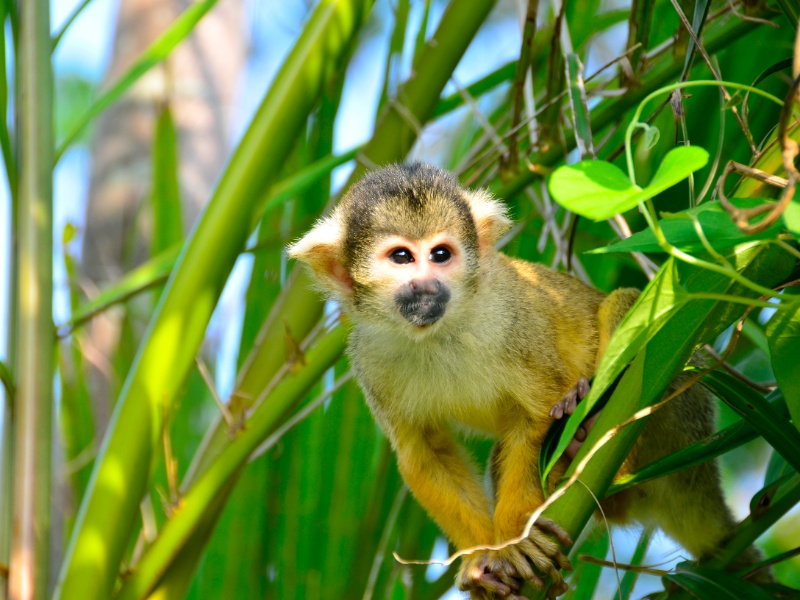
198 82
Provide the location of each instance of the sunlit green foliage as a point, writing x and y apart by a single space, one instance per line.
288 490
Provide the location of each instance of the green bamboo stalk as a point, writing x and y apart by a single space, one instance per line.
7 415
264 302
28 568
216 480
400 123
166 355
395 132
394 135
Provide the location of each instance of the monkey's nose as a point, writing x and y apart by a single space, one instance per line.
425 286
422 301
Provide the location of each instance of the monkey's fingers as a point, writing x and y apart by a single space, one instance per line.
481 594
576 442
554 529
583 388
476 577
560 408
546 557
557 590
489 585
568 404
513 563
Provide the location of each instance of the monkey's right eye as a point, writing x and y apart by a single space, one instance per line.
401 256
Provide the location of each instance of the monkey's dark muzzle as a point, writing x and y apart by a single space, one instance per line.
422 302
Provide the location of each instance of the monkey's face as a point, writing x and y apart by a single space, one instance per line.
403 250
419 273
413 286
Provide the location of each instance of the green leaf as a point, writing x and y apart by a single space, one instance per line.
679 229
599 190
581 123
8 152
584 578
593 188
677 165
776 468
7 379
651 137
65 27
753 407
555 432
482 86
154 272
167 353
715 445
773 502
166 196
791 217
655 307
300 181
629 579
73 94
783 333
710 583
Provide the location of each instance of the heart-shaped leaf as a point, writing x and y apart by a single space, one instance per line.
593 189
598 190
677 165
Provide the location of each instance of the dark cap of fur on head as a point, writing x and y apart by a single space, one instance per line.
413 201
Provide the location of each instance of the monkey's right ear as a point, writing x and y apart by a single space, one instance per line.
491 217
321 249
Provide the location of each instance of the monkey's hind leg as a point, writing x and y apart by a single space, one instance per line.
689 505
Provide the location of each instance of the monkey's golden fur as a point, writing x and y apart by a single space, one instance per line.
514 339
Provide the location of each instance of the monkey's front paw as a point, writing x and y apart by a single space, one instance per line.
476 577
567 405
537 560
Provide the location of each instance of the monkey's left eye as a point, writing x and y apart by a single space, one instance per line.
401 256
440 254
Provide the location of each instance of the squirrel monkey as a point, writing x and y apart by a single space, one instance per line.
448 334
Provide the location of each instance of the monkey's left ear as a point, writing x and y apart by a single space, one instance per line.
321 249
491 217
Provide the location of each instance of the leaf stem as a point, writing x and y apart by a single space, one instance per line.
649 212
635 121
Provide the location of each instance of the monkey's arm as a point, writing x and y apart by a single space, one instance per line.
535 559
441 477
517 484
445 483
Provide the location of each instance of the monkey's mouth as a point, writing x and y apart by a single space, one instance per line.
422 306
422 313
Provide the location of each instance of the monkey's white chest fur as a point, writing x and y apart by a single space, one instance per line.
434 380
